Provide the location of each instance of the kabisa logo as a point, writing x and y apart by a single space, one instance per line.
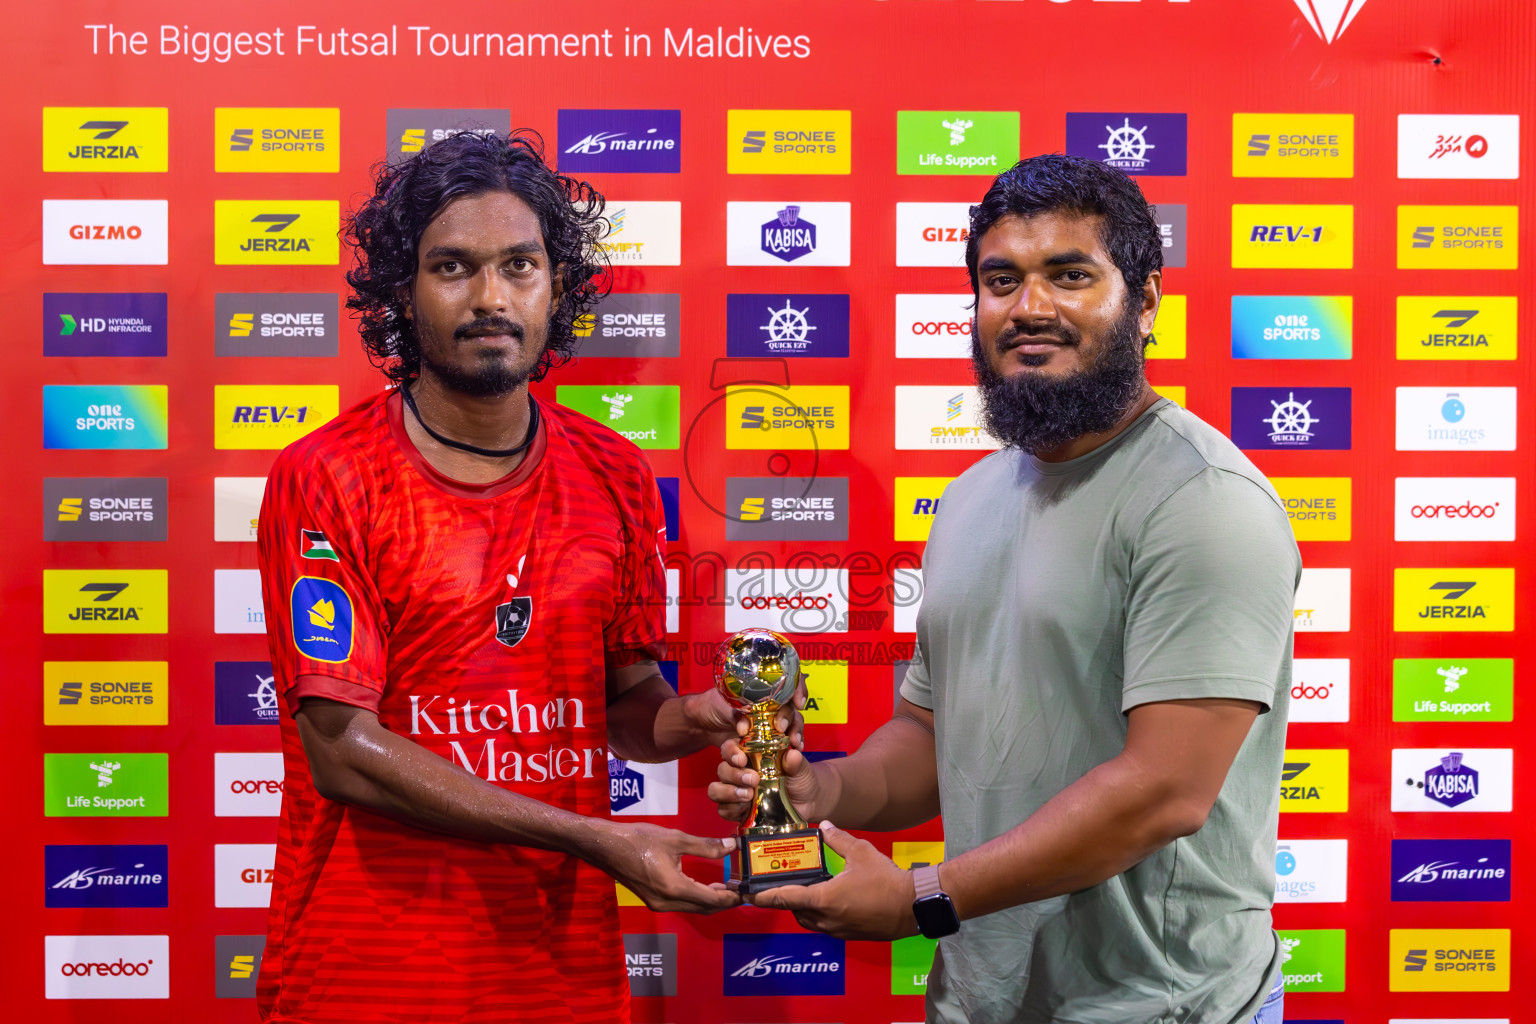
956 142
107 966
321 615
634 326
1329 18
807 417
98 601
1430 779
626 787
1138 144
787 237
1458 237
1458 146
104 324
800 234
1292 326
1451 599
244 693
1451 870
1454 508
105 876
265 417
275 324
104 508
101 232
619 141
1315 780
1293 145
408 132
786 508
788 141
1456 327
783 965
1450 960
1293 237
1438 419
1451 783
278 140
247 785
105 785
1453 690
115 139
276 232
104 693
786 325
1311 418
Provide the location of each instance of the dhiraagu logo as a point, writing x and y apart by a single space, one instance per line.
648 414
956 141
104 417
270 416
105 785
1293 326
1453 689
801 418
321 613
1312 960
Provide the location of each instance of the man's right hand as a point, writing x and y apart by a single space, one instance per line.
732 794
647 860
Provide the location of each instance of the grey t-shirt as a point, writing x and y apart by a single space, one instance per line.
1058 596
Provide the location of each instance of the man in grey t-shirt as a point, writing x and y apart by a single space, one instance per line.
1098 700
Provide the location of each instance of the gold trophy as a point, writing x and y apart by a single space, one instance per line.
757 672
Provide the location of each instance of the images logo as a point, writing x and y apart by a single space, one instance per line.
940 416
1315 781
270 416
247 785
104 601
1459 419
1292 326
788 141
1454 508
799 234
104 508
1437 779
648 414
786 508
104 876
242 874
1311 871
932 234
1293 237
104 324
1456 327
244 694
651 962
812 600
1138 144
786 325
1318 507
620 141
1453 600
1453 690
275 324
644 233
320 611
107 966
1458 146
795 418
239 963
104 693
635 788
277 140
1458 237
276 232
105 785
1313 959
408 132
783 965
916 502
114 139
1450 960
1305 418
633 326
102 232
933 327
1451 870
237 604
956 142
1320 690
1293 145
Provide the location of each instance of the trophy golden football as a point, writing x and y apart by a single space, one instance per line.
757 672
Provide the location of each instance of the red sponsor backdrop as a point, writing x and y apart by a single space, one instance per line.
1207 58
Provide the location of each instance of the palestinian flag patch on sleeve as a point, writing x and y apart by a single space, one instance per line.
316 546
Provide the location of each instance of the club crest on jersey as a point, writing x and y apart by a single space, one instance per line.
513 619
316 546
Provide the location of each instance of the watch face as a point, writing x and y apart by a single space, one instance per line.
936 916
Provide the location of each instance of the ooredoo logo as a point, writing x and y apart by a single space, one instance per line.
107 966
99 232
247 785
1320 690
1455 508
809 600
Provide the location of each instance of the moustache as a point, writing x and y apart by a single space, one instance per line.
488 325
1013 337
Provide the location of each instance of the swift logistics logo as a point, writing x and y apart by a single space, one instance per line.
105 693
1293 326
105 601
1451 870
104 508
783 965
237 604
650 415
1453 600
939 416
1454 508
1322 601
1320 690
1329 18
242 874
1455 419
1311 870
643 233
786 508
247 785
105 785
806 417
933 326
107 966
1438 779
276 232
1293 145
1457 327
1297 237
106 232
277 140
104 323
788 141
1291 418
1450 960
1458 146
932 234
1458 237
288 324
651 963
620 141
1315 781
956 141
320 614
916 502
1312 959
104 416
1318 506
632 326
1453 690
1138 144
244 693
236 505
238 964
105 876
408 132
786 325
794 233
115 139
251 417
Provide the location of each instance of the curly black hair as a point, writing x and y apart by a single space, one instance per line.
386 230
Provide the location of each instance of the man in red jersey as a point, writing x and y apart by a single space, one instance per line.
465 599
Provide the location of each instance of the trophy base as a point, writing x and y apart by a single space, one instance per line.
790 858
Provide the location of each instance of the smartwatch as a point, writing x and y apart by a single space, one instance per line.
934 910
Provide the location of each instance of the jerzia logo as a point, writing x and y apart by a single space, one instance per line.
297 231
113 139
1472 600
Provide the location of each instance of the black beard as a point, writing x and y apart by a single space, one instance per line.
1036 413
492 376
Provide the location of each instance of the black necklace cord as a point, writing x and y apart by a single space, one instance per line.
490 453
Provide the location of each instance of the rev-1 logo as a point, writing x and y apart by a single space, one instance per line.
269 413
1285 233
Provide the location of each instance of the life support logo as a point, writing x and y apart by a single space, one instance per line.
321 615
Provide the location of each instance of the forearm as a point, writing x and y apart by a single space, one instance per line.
649 722
890 783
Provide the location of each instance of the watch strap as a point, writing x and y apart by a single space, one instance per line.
925 880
